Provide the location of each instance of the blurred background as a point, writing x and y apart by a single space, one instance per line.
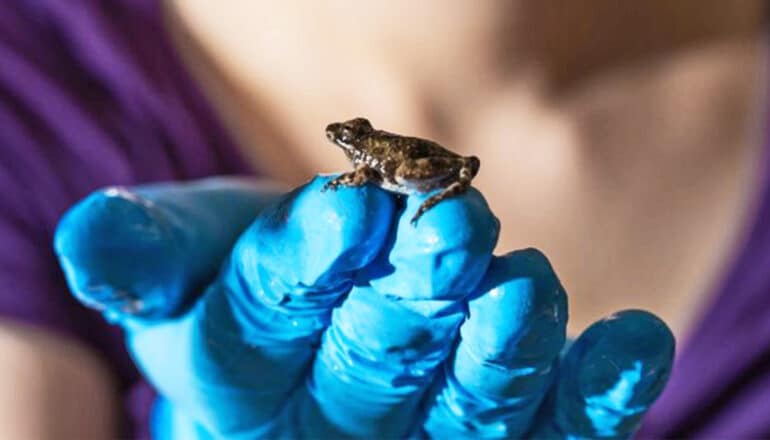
627 140
621 139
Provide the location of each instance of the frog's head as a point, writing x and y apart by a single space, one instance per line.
347 134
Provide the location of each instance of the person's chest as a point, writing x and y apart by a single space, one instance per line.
638 187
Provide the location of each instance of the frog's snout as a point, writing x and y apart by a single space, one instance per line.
332 130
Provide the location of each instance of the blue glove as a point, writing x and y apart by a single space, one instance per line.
332 316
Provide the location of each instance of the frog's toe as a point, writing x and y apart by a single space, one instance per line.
332 185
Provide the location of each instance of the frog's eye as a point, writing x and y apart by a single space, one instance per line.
346 134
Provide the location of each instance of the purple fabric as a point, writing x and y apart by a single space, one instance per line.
91 94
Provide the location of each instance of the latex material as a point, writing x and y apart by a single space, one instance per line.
141 251
504 363
383 345
235 359
609 378
333 316
444 256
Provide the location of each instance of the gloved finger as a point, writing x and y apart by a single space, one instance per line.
143 251
505 361
398 324
234 360
609 378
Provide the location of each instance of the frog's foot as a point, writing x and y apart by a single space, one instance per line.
334 183
455 189
359 177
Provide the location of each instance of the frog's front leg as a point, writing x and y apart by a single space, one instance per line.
358 177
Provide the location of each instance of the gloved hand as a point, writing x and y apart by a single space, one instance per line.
332 316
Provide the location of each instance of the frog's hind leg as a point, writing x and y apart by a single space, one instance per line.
455 189
359 177
464 176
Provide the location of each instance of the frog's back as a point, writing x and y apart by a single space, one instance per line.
384 145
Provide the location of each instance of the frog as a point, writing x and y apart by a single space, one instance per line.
404 165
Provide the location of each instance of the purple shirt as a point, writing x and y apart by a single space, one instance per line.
92 94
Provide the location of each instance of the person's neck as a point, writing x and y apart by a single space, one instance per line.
573 41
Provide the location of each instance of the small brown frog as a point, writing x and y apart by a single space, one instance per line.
402 164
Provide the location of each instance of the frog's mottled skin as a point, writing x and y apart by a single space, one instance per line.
401 164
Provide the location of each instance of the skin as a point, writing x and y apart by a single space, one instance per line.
628 160
402 164
581 136
54 388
